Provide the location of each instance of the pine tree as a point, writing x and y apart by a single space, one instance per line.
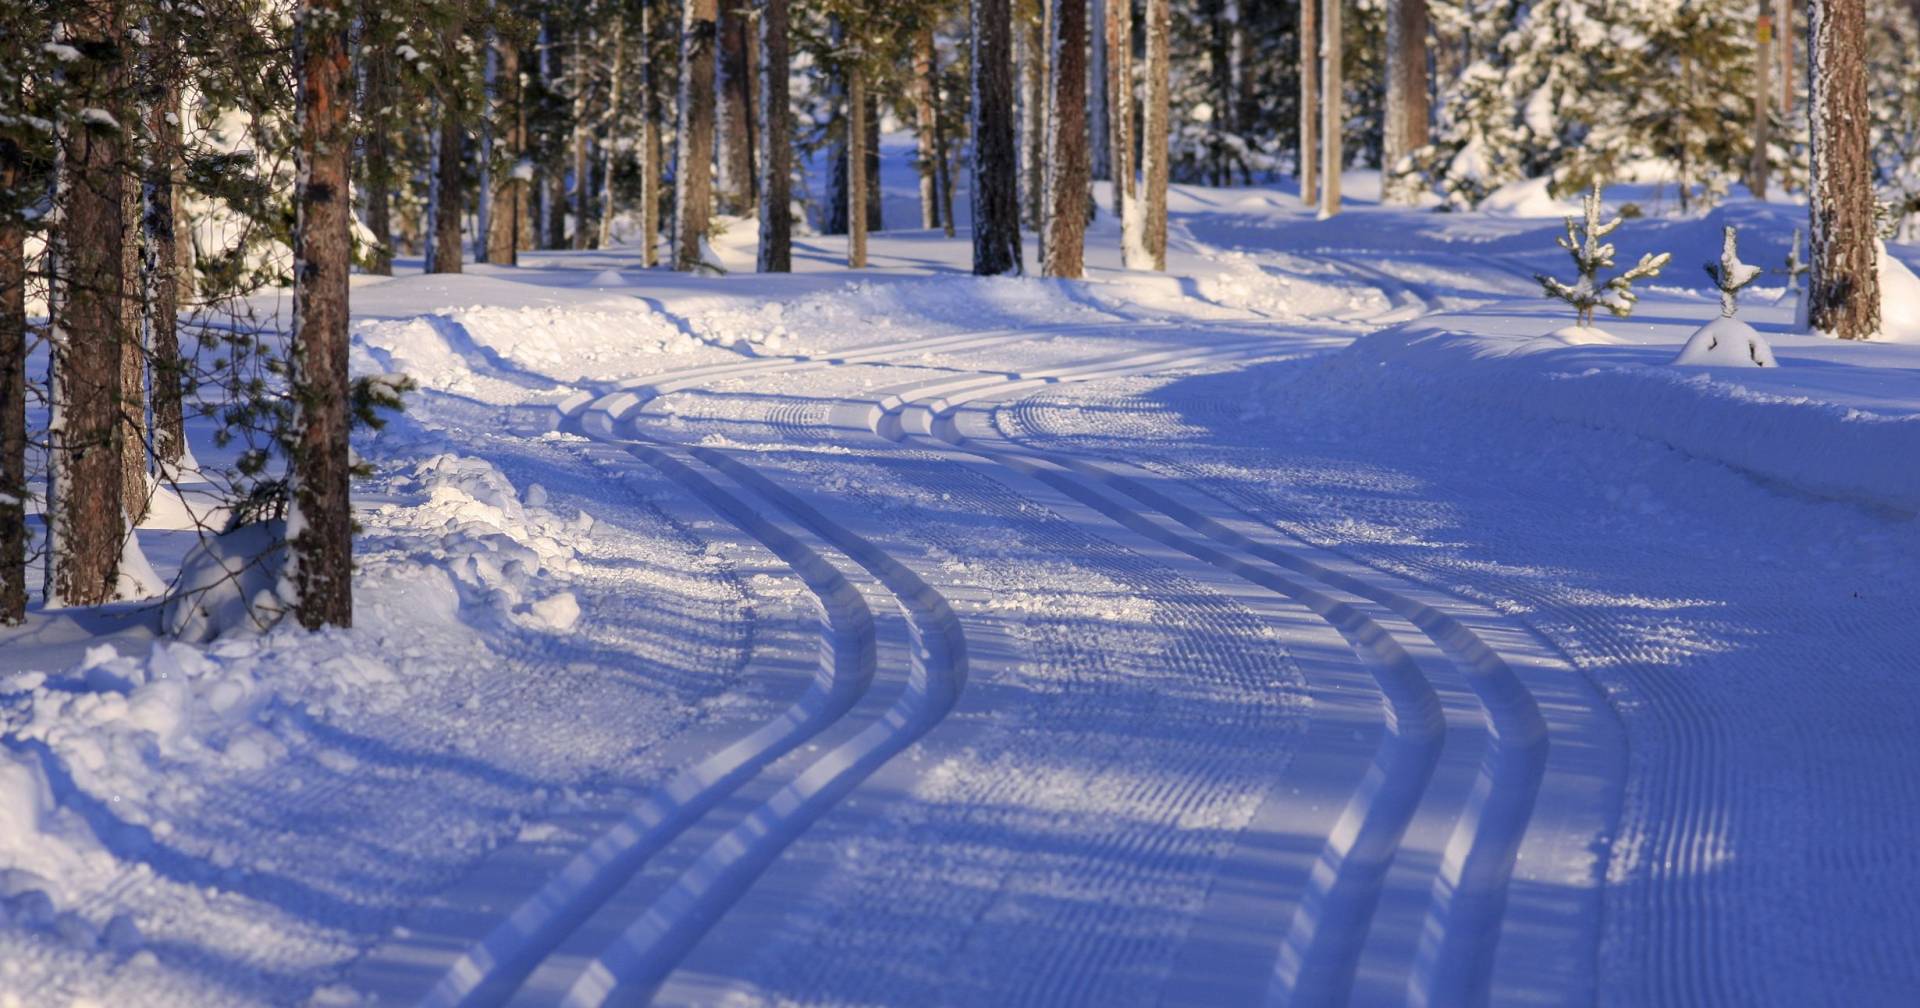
1585 242
650 153
1032 26
1730 275
320 522
160 267
1333 114
856 164
1067 160
13 341
734 182
776 145
1119 85
1844 293
1309 155
1405 128
996 206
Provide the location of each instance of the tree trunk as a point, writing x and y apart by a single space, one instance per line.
1119 84
835 220
1783 30
875 220
1100 154
995 195
776 145
1033 119
1333 120
377 167
448 194
85 505
943 162
582 134
649 143
1844 294
735 112
926 126
1154 150
509 129
134 492
693 193
320 522
1220 86
856 168
616 95
161 270
1406 114
1067 160
1309 160
1764 44
13 376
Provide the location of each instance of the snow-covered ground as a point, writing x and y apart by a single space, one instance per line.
1304 624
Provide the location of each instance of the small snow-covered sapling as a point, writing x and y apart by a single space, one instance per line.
1730 274
1796 266
1591 254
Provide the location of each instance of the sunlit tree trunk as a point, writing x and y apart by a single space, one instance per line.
1844 292
1333 118
926 126
1067 160
1154 152
856 168
1405 130
776 144
734 79
995 169
693 192
1309 159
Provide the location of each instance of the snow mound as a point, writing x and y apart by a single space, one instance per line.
1899 300
1726 342
1527 198
227 584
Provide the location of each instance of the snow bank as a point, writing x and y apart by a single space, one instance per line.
1899 300
1527 198
1726 342
1830 423
102 760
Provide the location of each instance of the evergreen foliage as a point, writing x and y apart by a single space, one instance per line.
1585 241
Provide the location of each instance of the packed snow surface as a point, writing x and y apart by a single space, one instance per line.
1325 620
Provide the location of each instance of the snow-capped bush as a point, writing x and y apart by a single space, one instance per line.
1583 241
1730 275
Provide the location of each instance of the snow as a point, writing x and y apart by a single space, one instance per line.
1726 342
898 636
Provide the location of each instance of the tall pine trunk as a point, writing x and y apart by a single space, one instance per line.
776 145
1033 118
162 267
134 495
1764 45
649 142
320 522
506 191
1100 155
1844 292
1220 85
1333 113
13 372
85 504
616 96
1067 158
1119 85
1405 130
377 166
1309 158
995 192
1154 150
693 193
835 219
943 162
857 181
734 79
449 192
926 126
875 222
582 136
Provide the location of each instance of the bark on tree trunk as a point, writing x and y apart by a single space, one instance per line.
776 147
378 166
133 352
1119 31
926 127
320 527
875 219
162 267
616 95
88 516
693 193
1067 159
1309 160
649 143
1033 119
1783 30
1407 106
943 154
503 221
735 112
582 135
1220 82
835 221
1764 45
995 192
1844 292
856 168
13 381
1333 119
447 197
1100 154
1154 150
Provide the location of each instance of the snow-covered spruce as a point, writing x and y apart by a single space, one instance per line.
1731 275
1584 241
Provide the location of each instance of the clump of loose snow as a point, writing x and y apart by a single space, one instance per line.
227 583
1726 342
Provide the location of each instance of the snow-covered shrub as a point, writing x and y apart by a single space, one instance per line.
1584 241
1730 275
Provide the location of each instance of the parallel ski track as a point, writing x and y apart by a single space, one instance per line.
1454 963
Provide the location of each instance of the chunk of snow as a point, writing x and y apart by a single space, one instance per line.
557 612
1726 342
